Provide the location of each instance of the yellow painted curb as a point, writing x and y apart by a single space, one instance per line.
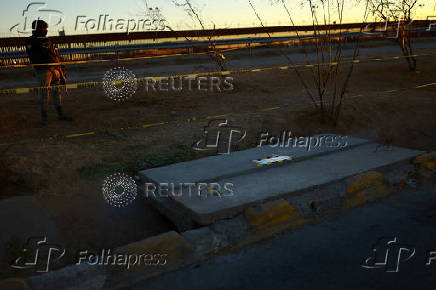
158 255
366 187
365 180
426 161
171 244
271 214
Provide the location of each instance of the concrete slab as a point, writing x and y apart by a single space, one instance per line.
240 162
277 182
284 181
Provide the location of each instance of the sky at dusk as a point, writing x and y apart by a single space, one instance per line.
73 15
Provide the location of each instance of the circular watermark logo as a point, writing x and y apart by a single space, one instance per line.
119 84
119 190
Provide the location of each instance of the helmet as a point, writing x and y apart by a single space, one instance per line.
39 28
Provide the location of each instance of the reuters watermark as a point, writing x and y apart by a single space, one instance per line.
120 84
120 190
200 190
184 83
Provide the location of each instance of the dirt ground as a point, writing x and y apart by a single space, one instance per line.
65 175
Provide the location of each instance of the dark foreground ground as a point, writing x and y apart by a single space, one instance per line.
329 255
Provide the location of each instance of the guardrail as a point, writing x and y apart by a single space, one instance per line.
12 50
165 45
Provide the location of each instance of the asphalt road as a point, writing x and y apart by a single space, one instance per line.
329 255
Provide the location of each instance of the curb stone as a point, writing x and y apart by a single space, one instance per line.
71 278
175 253
205 241
270 214
366 187
170 251
270 218
319 200
426 164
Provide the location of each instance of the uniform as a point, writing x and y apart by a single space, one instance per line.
41 51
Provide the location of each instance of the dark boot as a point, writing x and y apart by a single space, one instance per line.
61 115
44 118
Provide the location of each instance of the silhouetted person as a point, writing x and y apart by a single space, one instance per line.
41 51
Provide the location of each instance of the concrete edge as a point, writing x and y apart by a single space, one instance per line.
199 220
255 224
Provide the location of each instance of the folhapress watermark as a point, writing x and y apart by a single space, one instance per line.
389 12
150 19
38 11
38 255
107 258
286 140
105 23
41 256
388 254
432 23
219 136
